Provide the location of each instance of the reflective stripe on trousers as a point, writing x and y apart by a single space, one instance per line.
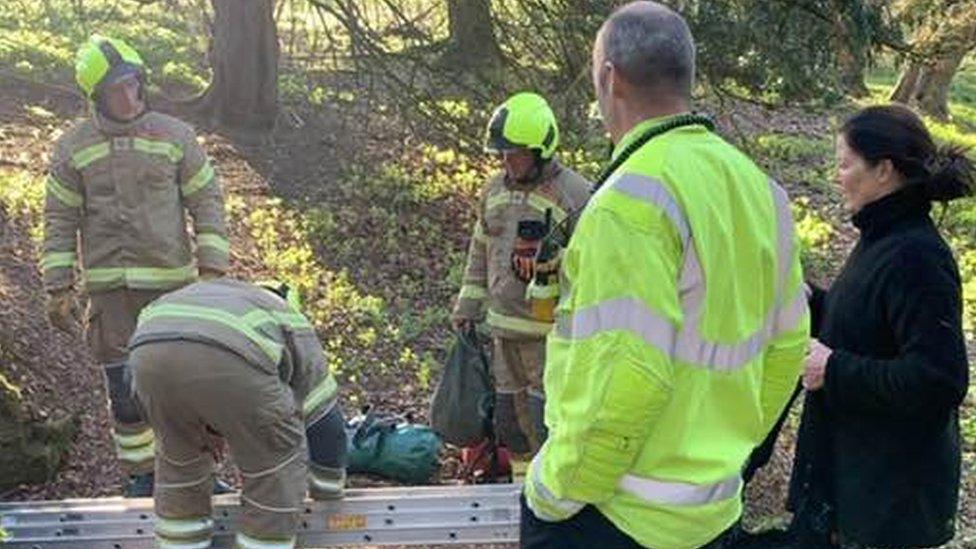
183 533
515 324
245 541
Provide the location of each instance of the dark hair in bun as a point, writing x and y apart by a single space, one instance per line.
894 132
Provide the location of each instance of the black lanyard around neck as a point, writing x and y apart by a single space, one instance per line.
674 123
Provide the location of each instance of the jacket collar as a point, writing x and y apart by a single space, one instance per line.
550 170
116 128
640 129
878 217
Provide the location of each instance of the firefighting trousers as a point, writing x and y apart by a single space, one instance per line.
112 317
192 390
517 370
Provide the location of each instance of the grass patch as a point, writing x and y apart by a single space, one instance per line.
22 196
372 318
954 133
815 233
39 39
282 241
795 158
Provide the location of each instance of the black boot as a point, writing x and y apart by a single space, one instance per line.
140 486
221 487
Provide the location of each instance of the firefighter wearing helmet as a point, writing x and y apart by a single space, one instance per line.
518 208
119 187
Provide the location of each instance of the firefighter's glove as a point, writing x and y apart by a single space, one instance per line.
523 266
63 310
462 325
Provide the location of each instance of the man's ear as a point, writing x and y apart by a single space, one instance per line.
606 75
615 79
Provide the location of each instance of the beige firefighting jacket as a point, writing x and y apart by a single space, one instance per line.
254 324
124 187
488 277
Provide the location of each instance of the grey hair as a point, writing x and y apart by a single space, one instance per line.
651 46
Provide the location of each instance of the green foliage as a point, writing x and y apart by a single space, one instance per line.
34 50
967 425
950 132
793 148
814 233
39 39
184 74
794 158
282 238
22 196
586 154
548 44
293 87
434 173
963 91
11 390
967 265
22 193
783 50
344 315
813 230
393 230
883 77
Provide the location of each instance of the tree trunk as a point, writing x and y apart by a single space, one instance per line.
850 60
243 94
928 85
907 83
940 44
851 73
473 41
932 91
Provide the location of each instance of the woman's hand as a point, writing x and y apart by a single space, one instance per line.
816 366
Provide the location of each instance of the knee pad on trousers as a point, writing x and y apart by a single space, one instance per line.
327 440
125 408
507 429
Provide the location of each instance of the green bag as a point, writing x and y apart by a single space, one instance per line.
462 406
386 446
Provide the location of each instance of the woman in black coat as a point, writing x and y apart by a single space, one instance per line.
878 454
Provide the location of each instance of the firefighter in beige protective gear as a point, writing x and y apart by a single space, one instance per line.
122 181
225 359
517 209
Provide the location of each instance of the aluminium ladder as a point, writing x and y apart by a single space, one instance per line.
468 514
